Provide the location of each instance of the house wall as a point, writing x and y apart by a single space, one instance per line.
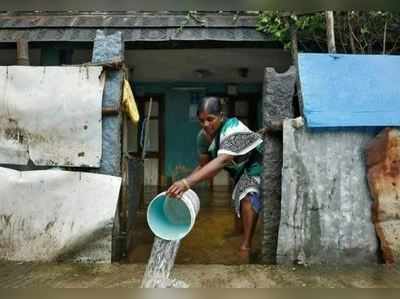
9 56
50 56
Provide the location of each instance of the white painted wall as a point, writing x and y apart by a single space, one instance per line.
51 115
45 214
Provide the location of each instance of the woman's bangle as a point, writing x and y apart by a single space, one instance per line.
185 182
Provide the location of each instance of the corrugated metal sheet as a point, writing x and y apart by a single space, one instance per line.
135 27
350 90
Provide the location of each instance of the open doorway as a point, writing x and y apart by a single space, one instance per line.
181 78
216 235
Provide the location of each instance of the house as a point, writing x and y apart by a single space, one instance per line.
171 59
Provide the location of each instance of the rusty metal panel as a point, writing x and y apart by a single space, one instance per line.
51 115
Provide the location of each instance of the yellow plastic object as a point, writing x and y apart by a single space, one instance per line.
129 104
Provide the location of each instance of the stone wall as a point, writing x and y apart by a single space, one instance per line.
326 205
383 161
278 93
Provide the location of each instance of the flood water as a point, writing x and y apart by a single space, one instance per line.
206 258
28 275
164 252
213 239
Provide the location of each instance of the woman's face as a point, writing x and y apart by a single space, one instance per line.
209 122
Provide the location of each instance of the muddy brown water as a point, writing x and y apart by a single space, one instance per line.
214 238
163 252
27 275
207 258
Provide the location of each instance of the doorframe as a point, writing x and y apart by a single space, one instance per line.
160 98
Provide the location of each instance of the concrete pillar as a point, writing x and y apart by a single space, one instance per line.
278 93
106 50
110 50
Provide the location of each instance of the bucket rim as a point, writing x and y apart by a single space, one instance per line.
151 226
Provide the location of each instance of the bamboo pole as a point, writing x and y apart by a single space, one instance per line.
146 131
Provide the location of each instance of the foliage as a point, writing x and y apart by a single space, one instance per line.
191 15
279 24
355 31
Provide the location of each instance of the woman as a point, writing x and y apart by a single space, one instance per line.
229 144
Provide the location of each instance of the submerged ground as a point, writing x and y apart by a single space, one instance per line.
207 258
213 239
24 275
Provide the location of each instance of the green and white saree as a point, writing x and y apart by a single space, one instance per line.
235 139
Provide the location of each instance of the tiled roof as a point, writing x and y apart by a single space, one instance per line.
134 26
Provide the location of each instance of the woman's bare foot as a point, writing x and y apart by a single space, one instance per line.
244 255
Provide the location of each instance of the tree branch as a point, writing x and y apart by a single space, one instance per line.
352 45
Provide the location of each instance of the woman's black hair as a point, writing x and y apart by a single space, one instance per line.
211 105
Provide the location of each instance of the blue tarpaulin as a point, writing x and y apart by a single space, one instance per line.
344 90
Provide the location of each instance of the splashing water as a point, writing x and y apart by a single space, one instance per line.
159 266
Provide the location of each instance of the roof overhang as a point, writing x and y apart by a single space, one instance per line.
142 27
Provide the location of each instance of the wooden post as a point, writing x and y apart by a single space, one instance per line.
110 111
123 208
22 52
146 131
330 31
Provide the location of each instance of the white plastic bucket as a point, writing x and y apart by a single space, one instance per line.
171 218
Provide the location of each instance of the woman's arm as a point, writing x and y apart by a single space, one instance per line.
209 170
206 172
203 160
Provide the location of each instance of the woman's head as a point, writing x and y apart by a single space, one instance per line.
209 113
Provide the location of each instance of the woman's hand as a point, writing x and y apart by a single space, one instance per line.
206 172
178 188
